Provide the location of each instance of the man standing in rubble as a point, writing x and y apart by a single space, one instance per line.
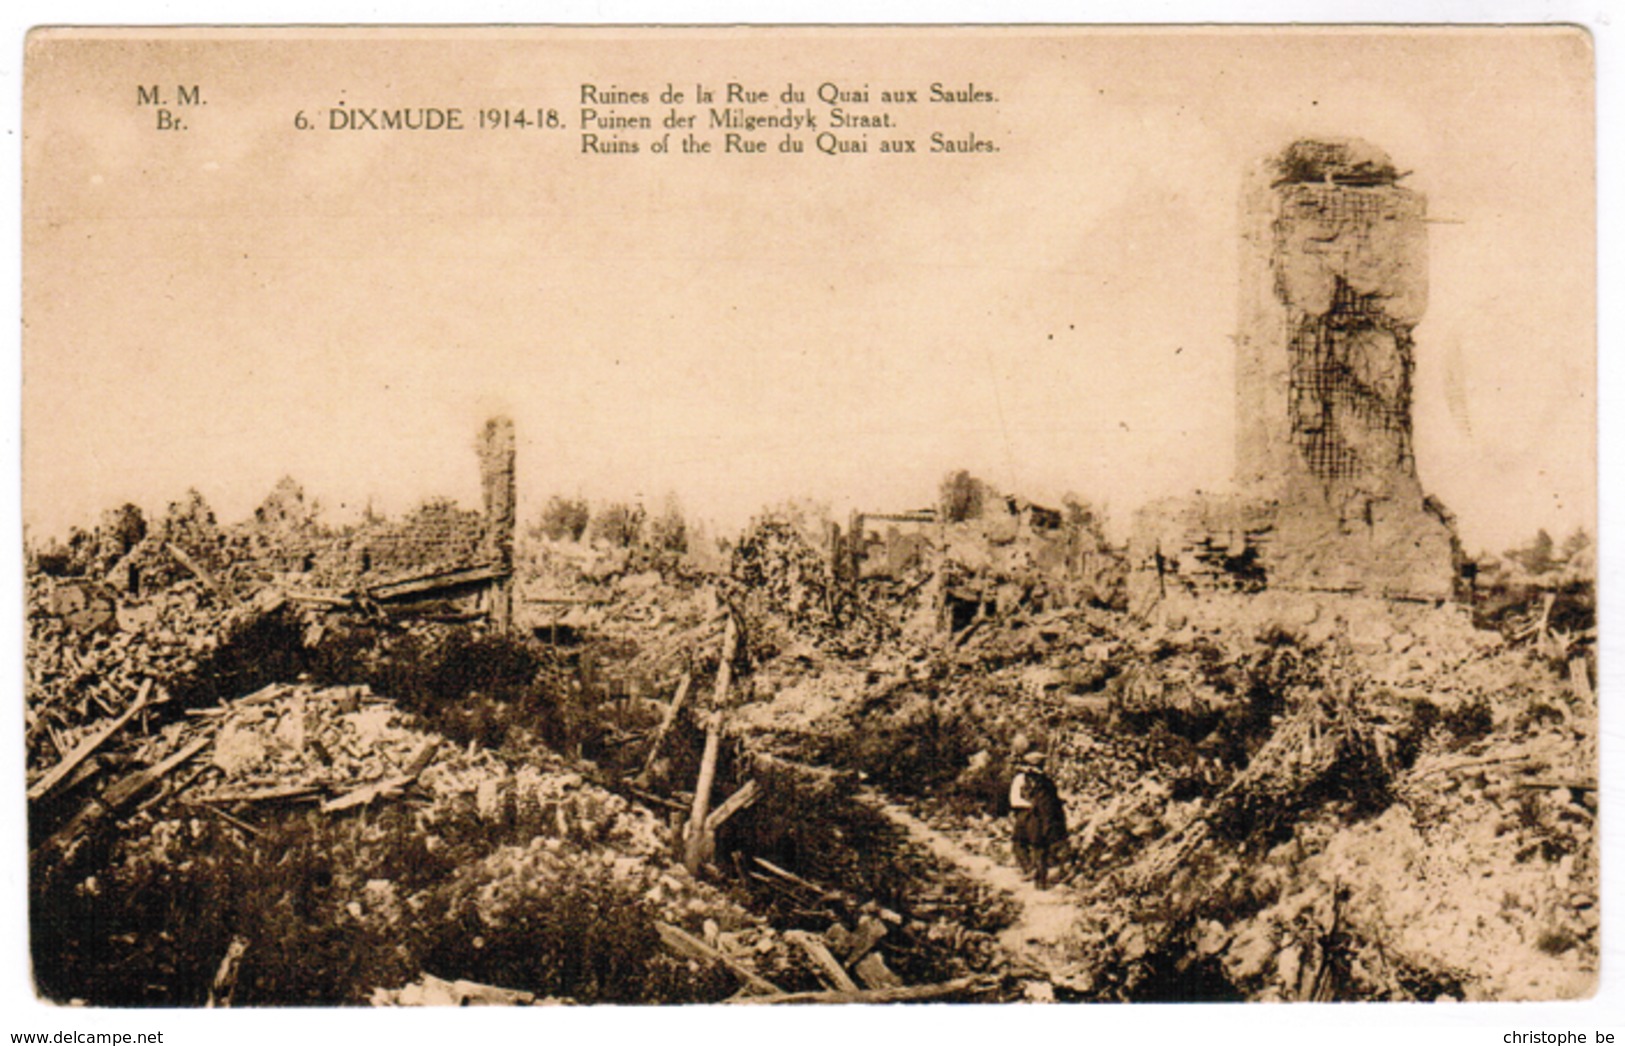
1038 820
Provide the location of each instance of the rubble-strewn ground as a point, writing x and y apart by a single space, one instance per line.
310 799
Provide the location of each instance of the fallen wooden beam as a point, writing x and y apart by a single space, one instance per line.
700 842
117 796
745 797
684 943
197 570
260 795
870 931
1470 764
263 696
827 964
140 781
319 598
437 581
875 974
1580 678
658 800
58 773
917 993
389 785
225 978
367 793
823 892
917 516
665 726
235 822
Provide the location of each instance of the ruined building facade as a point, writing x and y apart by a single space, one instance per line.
1327 499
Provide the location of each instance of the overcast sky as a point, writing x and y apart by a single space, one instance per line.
219 307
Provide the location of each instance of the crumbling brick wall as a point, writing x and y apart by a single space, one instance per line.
436 537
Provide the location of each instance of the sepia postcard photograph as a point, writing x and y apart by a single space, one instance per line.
757 516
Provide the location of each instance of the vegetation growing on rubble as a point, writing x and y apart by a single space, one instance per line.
1253 803
332 908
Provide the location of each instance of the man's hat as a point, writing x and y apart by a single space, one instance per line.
1034 757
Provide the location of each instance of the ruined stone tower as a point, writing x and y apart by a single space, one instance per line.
1333 283
1333 280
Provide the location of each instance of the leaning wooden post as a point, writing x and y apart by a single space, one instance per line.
665 727
699 840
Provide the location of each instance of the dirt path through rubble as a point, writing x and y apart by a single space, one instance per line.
1046 915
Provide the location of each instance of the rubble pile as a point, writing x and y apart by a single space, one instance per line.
1270 794
81 672
1254 786
789 596
511 836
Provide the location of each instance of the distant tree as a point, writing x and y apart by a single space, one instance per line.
962 497
1083 515
809 518
285 506
122 529
564 519
1580 555
1537 556
668 532
191 510
617 524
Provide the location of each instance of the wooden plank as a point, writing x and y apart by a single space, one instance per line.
435 582
136 783
367 793
830 967
875 974
55 776
259 795
918 993
225 978
658 800
235 822
684 943
388 786
263 696
823 892
1580 678
870 931
666 722
197 570
745 797
699 840
116 797
320 598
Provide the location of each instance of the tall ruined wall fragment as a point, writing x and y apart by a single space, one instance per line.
1334 280
1334 283
498 486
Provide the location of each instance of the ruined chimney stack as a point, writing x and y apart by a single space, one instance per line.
500 493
